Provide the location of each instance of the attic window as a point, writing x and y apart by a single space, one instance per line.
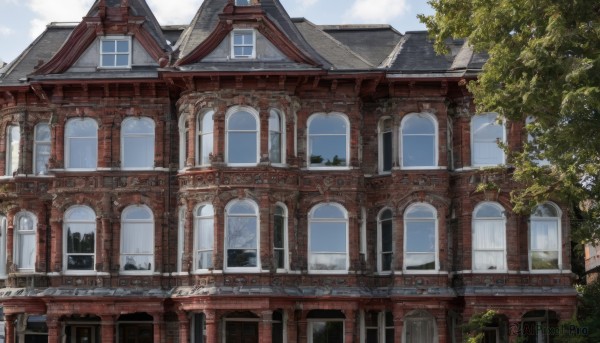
115 52
242 44
242 2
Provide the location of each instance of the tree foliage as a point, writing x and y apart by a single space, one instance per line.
544 63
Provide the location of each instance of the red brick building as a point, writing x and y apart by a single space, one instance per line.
255 178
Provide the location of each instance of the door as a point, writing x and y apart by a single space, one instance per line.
136 333
241 332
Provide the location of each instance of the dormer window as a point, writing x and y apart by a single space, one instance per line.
242 2
115 52
242 44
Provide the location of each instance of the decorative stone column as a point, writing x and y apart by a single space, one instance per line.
211 324
398 314
53 329
514 329
350 326
10 327
157 324
184 326
442 328
265 329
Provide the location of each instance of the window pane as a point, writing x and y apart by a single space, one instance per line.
138 152
242 147
205 234
138 126
545 210
207 210
327 332
108 46
42 133
137 262
42 155
544 260
386 235
139 213
138 238
328 151
123 46
387 151
275 147
122 60
13 154
489 234
207 148
26 251
204 260
327 261
419 331
418 151
278 226
488 260
386 261
327 124
419 261
489 211
241 232
418 125
81 214
242 207
420 212
242 120
420 236
544 235
241 258
83 153
328 237
328 211
80 262
81 238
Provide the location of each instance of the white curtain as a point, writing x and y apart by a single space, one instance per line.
489 244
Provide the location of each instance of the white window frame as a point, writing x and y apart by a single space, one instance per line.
420 315
309 145
493 119
115 54
36 148
232 111
180 237
380 251
203 154
66 254
125 145
363 233
478 220
151 228
436 247
3 247
197 220
282 137
18 237
285 249
257 228
381 325
433 119
10 153
243 45
68 144
184 137
381 131
558 221
312 321
328 220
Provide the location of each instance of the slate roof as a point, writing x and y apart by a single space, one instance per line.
416 54
372 42
338 55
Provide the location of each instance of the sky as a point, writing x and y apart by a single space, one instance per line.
21 21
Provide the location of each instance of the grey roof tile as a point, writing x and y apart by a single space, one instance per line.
337 54
416 54
373 42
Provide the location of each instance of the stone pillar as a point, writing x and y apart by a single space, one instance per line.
105 244
265 329
514 329
184 327
191 148
54 334
302 330
442 328
158 327
263 118
56 241
292 328
211 326
398 314
108 333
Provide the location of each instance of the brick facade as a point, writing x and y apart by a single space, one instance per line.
106 299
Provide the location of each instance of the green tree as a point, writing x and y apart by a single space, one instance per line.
544 63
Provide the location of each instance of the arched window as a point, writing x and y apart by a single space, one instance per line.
204 228
3 227
328 239
325 326
489 237
137 239
242 236
385 242
13 152
80 239
25 243
420 327
378 326
137 143
544 238
204 144
242 138
486 133
184 138
419 141
280 238
276 137
41 149
81 144
328 145
420 238
386 141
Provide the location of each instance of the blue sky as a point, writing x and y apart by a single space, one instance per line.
23 20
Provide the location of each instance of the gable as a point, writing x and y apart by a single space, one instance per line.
265 51
89 61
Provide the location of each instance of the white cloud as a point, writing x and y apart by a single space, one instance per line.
6 31
304 4
46 12
376 11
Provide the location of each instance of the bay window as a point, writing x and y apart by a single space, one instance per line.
243 139
419 141
41 148
81 144
328 143
137 143
242 236
204 145
204 223
385 241
25 241
13 151
276 137
328 239
137 239
80 239
280 237
420 238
